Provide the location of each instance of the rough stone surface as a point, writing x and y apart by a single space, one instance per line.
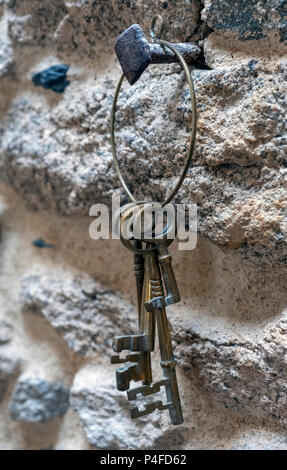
242 373
238 179
84 312
6 330
97 24
247 19
238 174
33 23
55 158
35 400
85 26
6 57
9 368
6 50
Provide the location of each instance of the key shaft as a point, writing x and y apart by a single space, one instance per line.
168 362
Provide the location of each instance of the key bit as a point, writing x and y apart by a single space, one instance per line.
135 54
128 358
149 408
146 390
171 393
125 375
139 370
131 343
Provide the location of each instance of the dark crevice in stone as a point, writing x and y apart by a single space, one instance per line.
202 32
200 63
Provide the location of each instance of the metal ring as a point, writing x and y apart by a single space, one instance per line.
141 251
193 130
127 242
156 19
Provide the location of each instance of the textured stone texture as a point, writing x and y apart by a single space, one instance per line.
6 50
238 178
84 312
35 400
33 23
242 373
5 331
97 24
6 56
9 368
238 175
55 154
247 19
86 26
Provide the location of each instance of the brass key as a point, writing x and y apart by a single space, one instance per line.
142 343
155 304
168 363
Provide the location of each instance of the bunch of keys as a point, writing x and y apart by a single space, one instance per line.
152 263
156 284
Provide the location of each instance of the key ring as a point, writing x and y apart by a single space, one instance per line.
155 38
127 211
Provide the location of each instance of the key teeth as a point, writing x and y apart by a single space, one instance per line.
130 343
146 390
128 358
149 408
171 300
125 375
176 418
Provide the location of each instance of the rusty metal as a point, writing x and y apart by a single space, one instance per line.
135 54
168 363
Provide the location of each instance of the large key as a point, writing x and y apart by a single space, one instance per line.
143 343
168 362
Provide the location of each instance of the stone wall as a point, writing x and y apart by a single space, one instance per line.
63 296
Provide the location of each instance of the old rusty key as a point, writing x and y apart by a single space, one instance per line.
155 304
143 343
168 363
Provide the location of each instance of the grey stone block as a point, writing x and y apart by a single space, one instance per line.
35 400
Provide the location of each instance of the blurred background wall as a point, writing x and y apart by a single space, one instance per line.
64 296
